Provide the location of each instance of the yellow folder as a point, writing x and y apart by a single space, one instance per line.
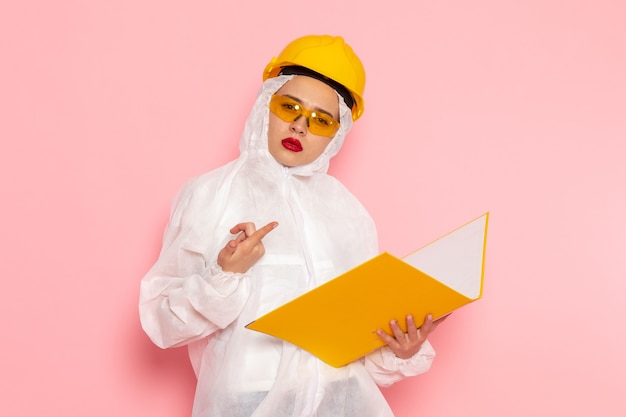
337 321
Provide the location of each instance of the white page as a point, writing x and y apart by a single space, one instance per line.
455 259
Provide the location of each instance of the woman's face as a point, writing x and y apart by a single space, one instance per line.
291 143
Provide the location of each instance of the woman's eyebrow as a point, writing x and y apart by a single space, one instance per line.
319 109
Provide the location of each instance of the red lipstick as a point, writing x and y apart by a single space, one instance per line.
292 144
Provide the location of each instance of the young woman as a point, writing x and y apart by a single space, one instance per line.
263 229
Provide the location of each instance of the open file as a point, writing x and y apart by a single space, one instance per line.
337 321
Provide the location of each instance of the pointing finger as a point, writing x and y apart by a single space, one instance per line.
256 237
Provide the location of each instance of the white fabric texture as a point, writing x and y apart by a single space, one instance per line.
186 299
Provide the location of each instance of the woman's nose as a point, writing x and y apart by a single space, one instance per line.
300 125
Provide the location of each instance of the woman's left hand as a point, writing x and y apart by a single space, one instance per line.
404 345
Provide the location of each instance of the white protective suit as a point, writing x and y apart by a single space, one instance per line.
186 299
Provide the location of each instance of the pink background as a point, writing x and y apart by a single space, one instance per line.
512 107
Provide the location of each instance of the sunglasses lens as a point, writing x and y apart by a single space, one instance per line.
289 110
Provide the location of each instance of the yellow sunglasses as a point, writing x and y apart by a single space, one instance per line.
289 110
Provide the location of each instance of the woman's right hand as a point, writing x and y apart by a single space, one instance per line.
246 249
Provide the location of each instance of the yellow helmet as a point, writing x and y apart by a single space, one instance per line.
329 56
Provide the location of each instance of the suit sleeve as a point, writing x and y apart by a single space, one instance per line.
184 298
